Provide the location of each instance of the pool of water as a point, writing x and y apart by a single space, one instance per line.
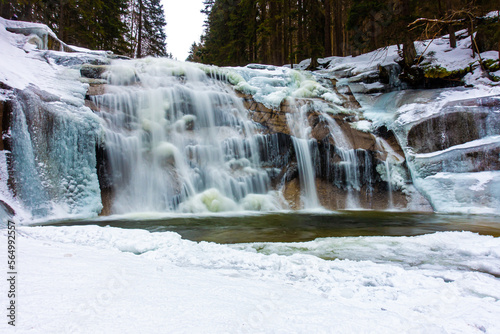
296 226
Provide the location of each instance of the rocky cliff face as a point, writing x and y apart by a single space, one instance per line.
93 132
332 176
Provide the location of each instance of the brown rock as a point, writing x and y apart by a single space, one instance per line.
262 108
350 101
91 105
96 90
334 198
291 192
107 201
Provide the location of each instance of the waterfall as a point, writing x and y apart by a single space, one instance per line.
392 158
180 140
349 163
389 183
300 129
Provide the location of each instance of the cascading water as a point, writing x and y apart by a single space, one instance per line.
392 158
180 140
176 137
349 163
301 130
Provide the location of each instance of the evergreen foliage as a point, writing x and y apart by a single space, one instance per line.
238 32
130 27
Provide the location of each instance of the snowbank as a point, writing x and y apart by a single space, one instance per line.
94 279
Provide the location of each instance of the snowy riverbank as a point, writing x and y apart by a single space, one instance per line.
93 279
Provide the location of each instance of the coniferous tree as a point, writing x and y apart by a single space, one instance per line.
146 24
122 26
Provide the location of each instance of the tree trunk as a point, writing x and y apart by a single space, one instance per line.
5 11
300 32
451 30
139 33
62 23
409 52
328 24
339 31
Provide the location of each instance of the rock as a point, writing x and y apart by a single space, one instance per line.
390 138
91 105
448 129
350 101
274 121
334 198
389 75
467 160
320 129
96 90
93 71
7 209
107 196
291 193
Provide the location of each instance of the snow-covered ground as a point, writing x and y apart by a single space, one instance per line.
108 280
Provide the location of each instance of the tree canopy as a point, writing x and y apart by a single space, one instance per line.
128 27
238 32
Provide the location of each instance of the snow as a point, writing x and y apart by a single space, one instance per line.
362 125
492 14
472 144
19 65
471 193
424 108
435 52
53 89
363 63
101 279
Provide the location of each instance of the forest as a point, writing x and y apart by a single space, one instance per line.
278 32
133 28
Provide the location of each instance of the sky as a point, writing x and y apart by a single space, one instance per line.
184 25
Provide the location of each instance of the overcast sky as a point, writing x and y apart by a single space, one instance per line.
184 25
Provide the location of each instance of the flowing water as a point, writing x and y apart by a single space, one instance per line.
175 137
181 141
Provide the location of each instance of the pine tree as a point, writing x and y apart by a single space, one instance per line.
146 28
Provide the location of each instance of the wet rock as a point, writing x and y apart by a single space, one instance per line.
93 71
274 121
377 198
291 193
350 101
104 175
96 90
390 138
91 105
319 125
389 75
449 129
467 160
276 150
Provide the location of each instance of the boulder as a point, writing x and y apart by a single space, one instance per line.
457 123
93 71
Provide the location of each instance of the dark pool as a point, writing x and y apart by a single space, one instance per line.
299 226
